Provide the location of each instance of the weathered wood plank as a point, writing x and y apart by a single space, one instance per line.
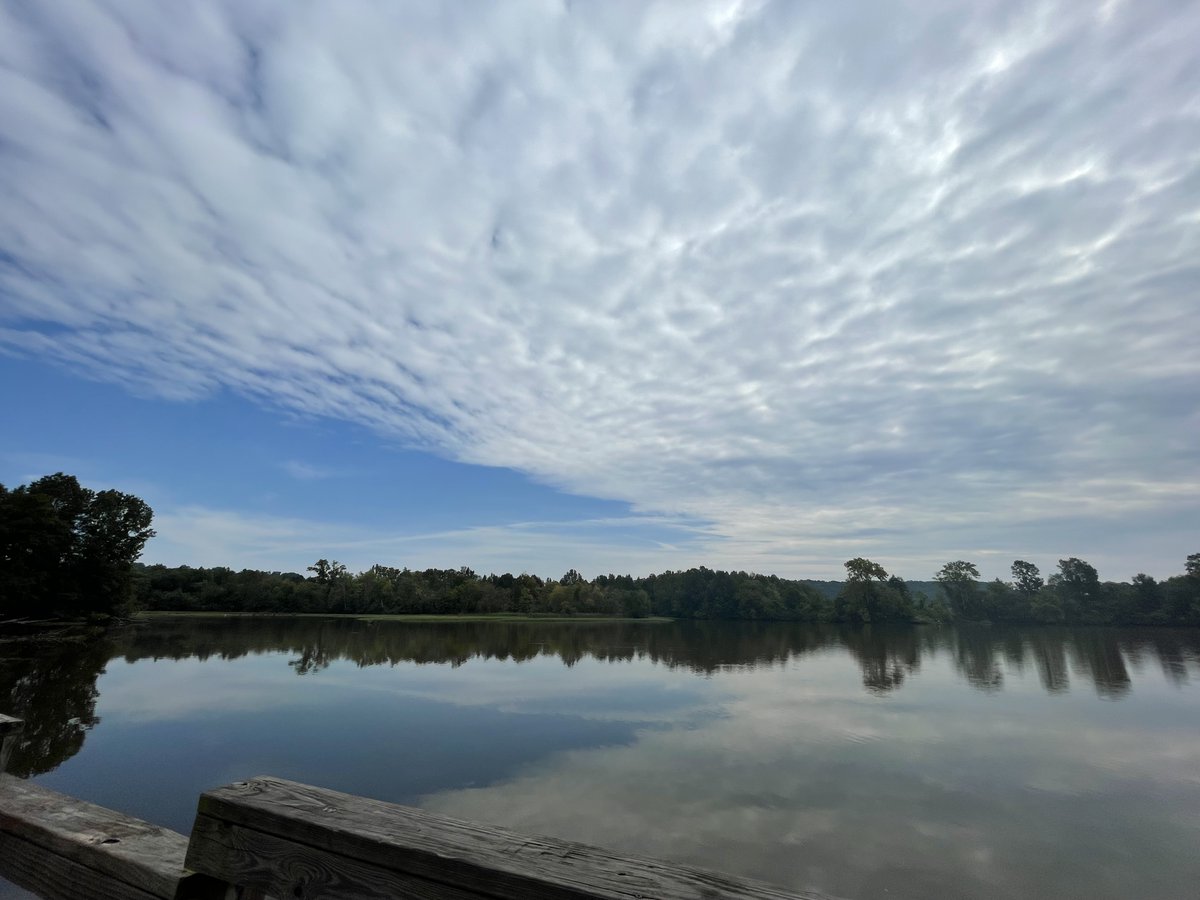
10 733
69 835
7 745
283 868
491 862
54 877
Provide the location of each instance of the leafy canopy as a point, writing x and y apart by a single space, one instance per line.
68 550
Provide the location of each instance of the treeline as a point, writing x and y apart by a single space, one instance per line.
66 550
1072 595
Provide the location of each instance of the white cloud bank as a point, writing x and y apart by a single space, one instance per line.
909 280
201 536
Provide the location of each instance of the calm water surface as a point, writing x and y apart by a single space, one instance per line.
899 763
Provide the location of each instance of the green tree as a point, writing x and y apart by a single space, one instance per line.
1027 580
1077 587
1148 601
1181 594
867 596
335 584
109 538
864 570
960 585
1046 607
66 549
998 603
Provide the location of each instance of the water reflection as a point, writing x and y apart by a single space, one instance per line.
52 684
887 655
900 762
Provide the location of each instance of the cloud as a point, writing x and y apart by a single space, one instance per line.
303 471
204 536
793 271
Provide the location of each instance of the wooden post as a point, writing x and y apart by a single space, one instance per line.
10 733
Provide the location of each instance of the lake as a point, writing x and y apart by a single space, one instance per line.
907 762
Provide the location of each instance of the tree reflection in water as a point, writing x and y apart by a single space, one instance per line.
53 684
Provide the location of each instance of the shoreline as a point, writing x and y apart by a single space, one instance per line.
419 618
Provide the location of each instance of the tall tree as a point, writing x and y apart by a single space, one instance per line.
960 584
1027 579
868 596
110 537
66 549
1077 586
864 570
1147 600
1182 593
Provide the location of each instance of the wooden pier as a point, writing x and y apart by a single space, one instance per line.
270 838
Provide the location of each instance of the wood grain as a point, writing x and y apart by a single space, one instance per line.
64 834
10 733
385 840
284 868
53 877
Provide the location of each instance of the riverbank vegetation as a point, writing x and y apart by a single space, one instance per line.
495 618
1072 595
68 551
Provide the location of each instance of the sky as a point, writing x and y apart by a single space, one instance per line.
623 287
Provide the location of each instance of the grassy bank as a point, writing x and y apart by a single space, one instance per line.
363 617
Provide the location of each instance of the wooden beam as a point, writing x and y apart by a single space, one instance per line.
245 856
50 876
294 840
61 848
10 733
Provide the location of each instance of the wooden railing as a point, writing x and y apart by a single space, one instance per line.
60 847
270 838
10 732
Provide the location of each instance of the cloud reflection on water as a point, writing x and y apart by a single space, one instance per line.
806 781
907 761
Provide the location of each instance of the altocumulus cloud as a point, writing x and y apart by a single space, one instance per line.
913 280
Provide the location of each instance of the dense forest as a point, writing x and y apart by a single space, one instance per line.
1073 594
66 550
